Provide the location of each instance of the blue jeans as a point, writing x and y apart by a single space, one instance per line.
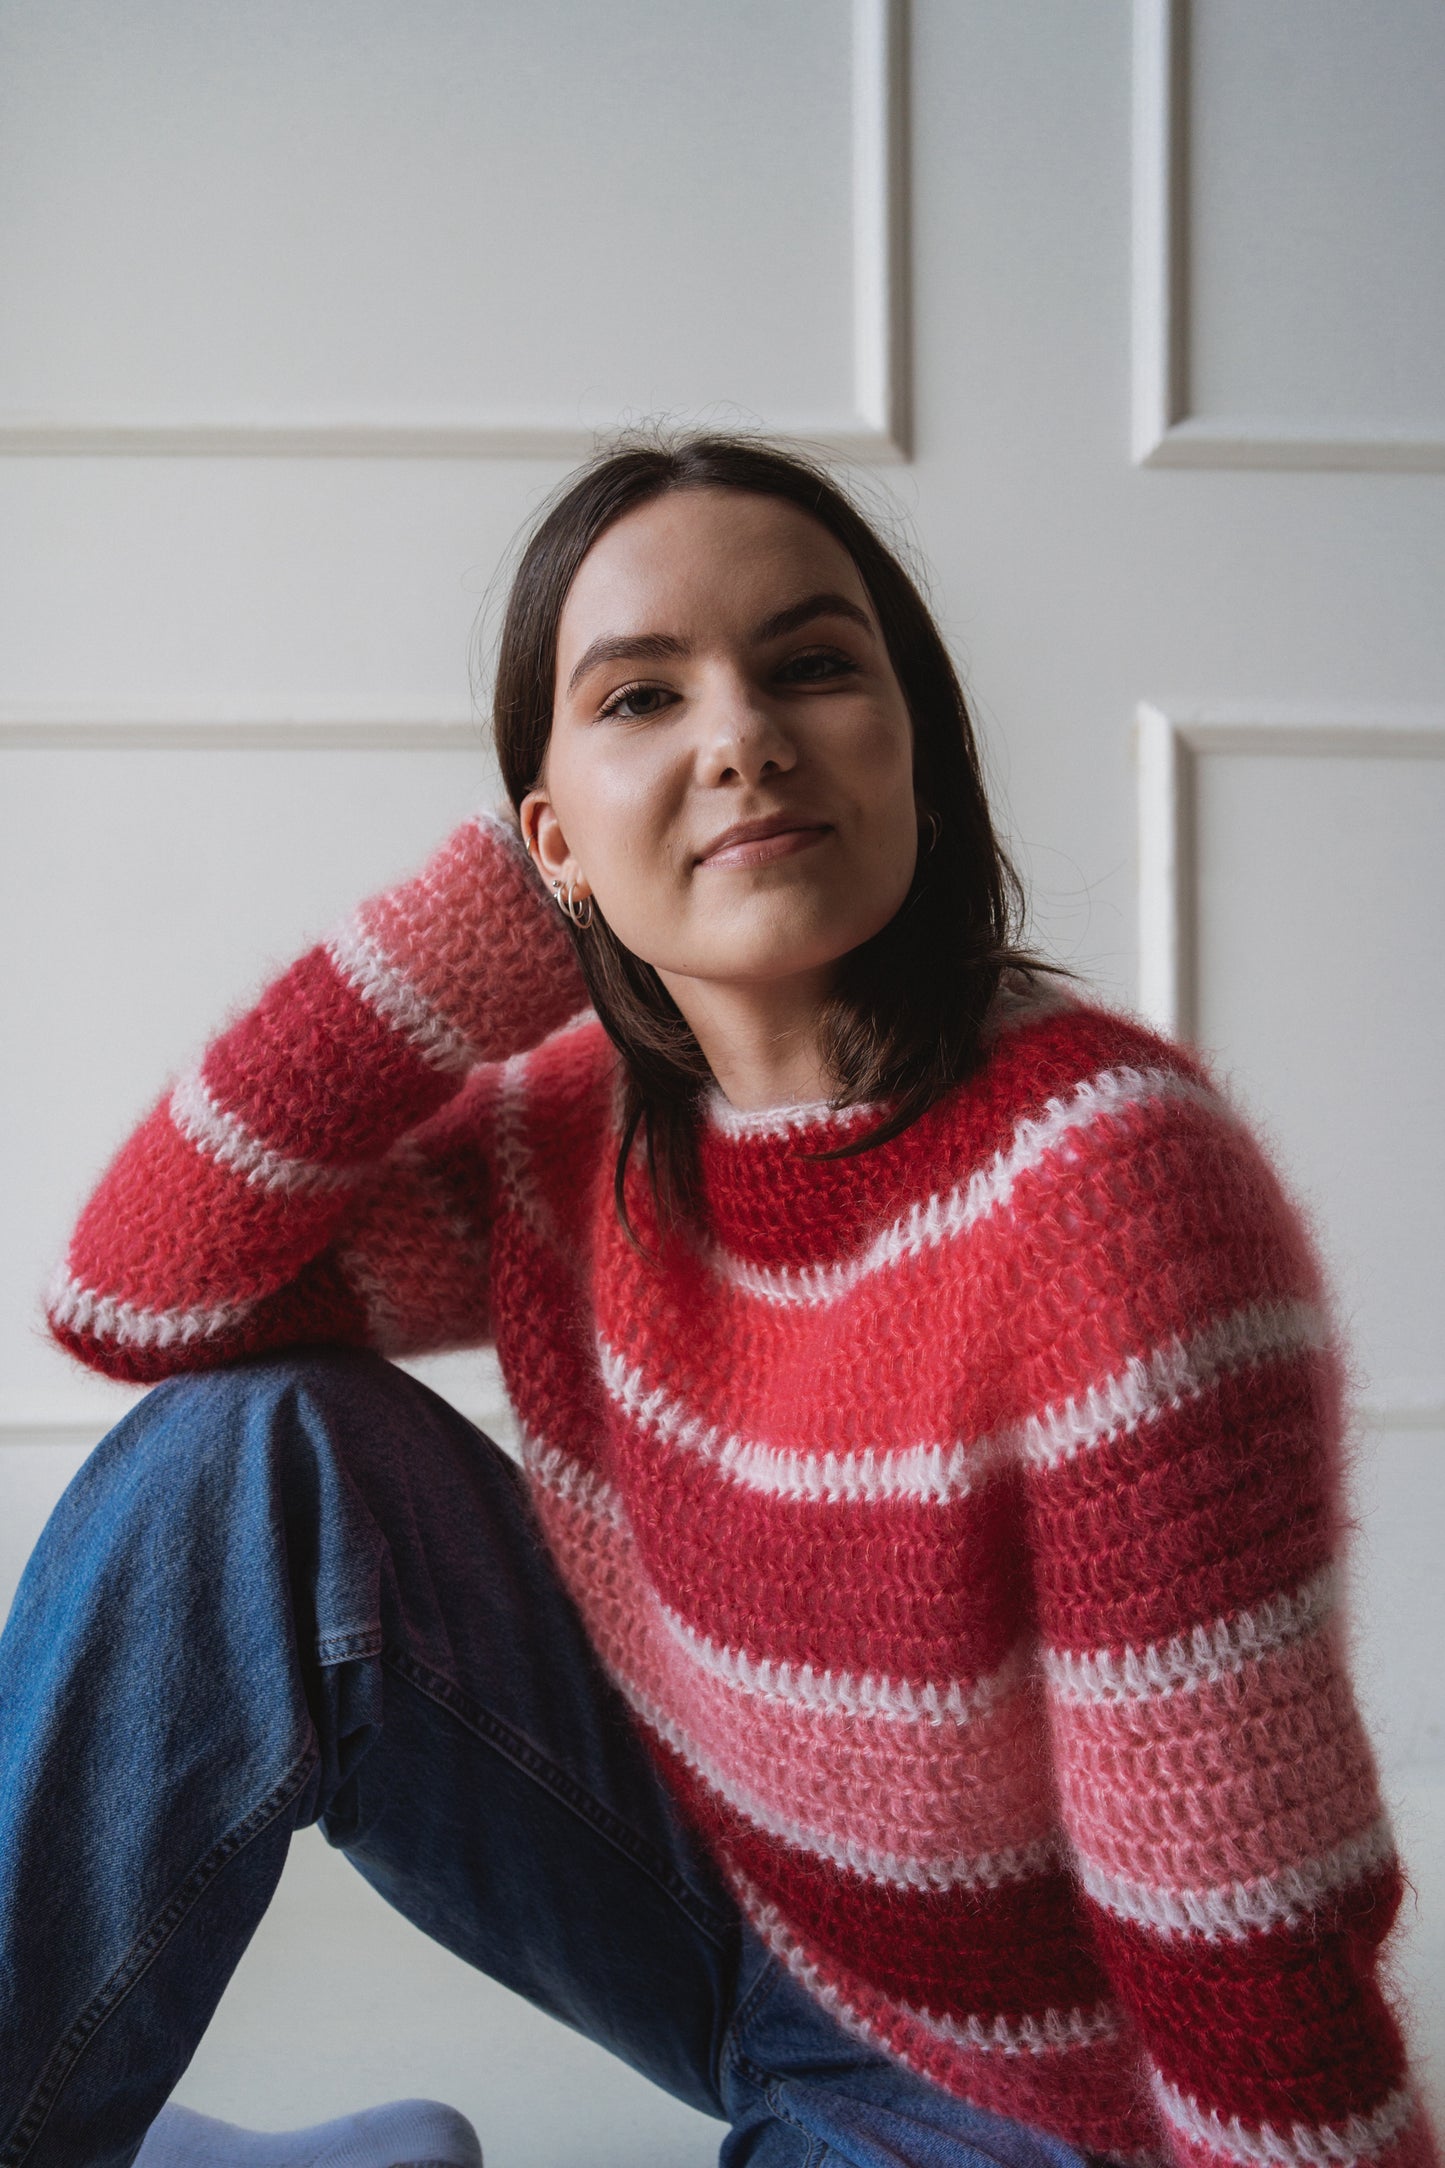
307 1590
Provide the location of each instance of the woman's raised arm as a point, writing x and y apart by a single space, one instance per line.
208 1235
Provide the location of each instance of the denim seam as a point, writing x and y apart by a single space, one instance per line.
569 1793
819 2151
340 1648
142 1953
733 2056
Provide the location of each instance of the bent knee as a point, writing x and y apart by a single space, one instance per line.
238 1407
320 1369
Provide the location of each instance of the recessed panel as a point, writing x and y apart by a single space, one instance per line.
311 213
146 896
1320 932
1314 211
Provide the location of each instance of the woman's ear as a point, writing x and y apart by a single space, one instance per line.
542 834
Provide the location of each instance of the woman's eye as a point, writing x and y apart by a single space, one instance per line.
818 664
631 702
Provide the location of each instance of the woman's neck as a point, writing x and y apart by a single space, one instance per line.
760 1039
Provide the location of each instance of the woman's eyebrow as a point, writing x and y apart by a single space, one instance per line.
666 647
628 647
802 613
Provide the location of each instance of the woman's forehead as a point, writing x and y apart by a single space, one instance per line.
701 556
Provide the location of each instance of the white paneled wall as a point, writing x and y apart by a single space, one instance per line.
306 308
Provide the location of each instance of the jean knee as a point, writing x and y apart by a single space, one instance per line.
200 1430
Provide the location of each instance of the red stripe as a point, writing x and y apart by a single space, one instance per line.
1013 1951
1222 1501
1280 2027
314 1072
749 1570
827 1219
171 1228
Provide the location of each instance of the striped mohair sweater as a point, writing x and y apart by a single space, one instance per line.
959 1520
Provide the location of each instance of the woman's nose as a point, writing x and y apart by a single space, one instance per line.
742 737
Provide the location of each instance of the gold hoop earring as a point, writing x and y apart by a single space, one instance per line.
578 908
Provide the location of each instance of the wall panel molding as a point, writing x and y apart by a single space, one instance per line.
87 731
1169 744
878 428
80 1430
1166 433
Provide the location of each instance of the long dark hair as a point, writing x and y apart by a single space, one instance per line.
904 1020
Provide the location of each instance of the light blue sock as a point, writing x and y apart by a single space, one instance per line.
402 2134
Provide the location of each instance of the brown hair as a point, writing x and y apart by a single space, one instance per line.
904 1020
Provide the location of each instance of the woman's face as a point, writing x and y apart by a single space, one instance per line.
719 664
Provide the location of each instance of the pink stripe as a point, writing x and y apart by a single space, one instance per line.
931 1794
472 933
1254 1772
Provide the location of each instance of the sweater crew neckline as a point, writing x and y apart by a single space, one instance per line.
724 1120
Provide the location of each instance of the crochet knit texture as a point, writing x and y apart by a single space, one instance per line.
958 1520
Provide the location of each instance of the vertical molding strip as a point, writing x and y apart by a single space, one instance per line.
881 340
1160 195
1166 884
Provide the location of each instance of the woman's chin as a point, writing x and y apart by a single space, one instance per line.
760 961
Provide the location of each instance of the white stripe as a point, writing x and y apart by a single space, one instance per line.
1197 1659
224 1137
1054 2033
1303 2145
366 967
1148 1386
935 1474
71 1303
512 1155
568 1480
943 1217
720 1114
847 1694
1235 1910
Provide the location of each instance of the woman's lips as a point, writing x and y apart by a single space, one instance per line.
759 850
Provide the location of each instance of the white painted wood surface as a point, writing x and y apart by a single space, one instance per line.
1066 256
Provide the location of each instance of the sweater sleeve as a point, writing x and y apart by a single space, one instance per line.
309 1177
1218 1793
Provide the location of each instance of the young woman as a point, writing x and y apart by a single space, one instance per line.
899 1707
